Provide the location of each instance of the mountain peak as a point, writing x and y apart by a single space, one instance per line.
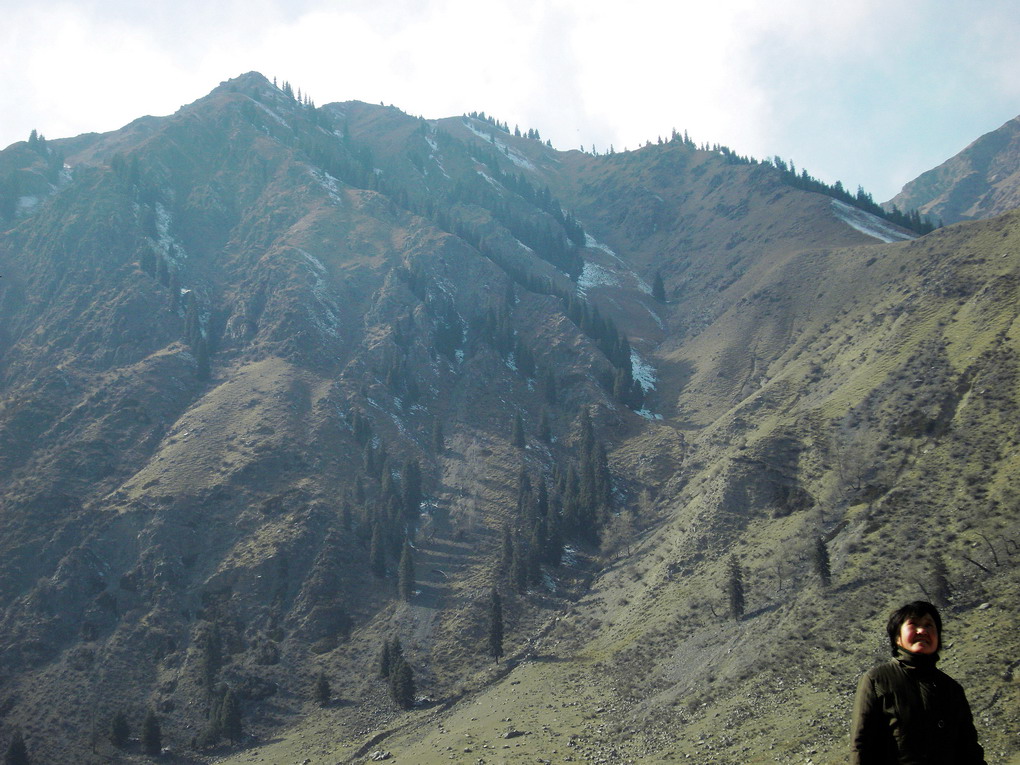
981 181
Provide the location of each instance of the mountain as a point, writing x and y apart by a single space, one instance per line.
981 181
280 384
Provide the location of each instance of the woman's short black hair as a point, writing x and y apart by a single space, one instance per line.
914 610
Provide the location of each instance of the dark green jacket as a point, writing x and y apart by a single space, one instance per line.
907 712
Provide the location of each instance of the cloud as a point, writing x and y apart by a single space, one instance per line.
867 92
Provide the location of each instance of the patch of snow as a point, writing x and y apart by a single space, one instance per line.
26 204
441 168
869 224
658 319
511 153
511 363
648 415
595 276
271 113
433 156
595 244
164 239
491 180
642 285
326 321
517 158
569 556
329 183
642 371
548 582
399 423
314 261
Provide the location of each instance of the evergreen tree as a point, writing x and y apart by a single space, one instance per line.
518 432
533 557
174 297
322 691
438 437
495 625
368 459
544 430
202 362
230 717
549 387
519 566
163 275
377 552
411 488
120 731
735 589
389 485
402 685
192 319
821 561
152 735
586 440
17 752
400 676
506 551
405 576
211 656
553 552
542 501
524 494
603 479
941 590
385 660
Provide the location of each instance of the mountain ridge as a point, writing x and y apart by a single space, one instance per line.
232 336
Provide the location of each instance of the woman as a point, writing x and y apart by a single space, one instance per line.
907 711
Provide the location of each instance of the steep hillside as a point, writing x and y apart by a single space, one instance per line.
279 385
981 181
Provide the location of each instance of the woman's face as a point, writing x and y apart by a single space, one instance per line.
919 635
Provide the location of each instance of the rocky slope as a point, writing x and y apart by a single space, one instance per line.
981 181
232 338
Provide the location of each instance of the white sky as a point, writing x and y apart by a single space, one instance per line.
864 91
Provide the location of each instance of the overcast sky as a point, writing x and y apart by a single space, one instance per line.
868 92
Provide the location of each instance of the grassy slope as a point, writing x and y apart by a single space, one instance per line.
647 667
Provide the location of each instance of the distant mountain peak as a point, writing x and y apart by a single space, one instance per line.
981 181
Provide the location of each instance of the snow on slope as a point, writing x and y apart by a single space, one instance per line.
595 276
514 156
869 224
